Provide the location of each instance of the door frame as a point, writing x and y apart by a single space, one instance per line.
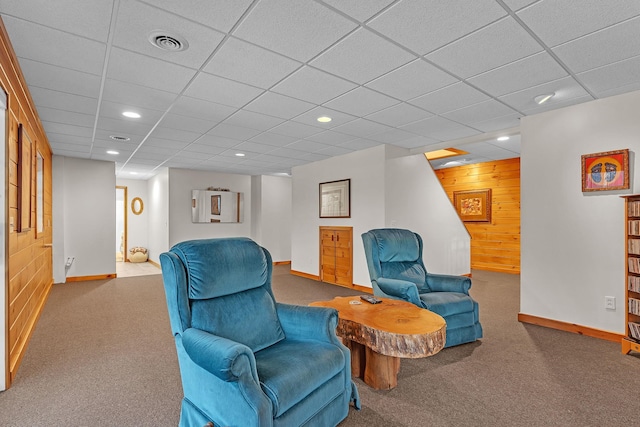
125 208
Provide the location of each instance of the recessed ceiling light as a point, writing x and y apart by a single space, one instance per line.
119 138
324 119
113 152
170 42
240 154
133 173
541 99
503 138
131 114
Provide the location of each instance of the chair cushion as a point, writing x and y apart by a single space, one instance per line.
397 245
285 376
447 303
409 271
247 317
240 264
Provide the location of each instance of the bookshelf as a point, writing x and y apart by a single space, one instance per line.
631 341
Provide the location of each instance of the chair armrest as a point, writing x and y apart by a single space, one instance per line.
448 283
401 289
224 358
305 323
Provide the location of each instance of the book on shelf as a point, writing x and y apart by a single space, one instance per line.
634 227
633 283
634 330
633 246
633 208
634 265
634 306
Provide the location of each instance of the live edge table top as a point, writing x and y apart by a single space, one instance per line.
393 327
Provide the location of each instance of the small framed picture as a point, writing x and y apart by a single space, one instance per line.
605 171
335 199
473 205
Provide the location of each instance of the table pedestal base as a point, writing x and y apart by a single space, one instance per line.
376 370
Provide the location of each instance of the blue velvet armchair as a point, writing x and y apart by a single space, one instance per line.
245 359
396 269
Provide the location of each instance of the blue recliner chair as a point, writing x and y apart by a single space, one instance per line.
245 359
394 258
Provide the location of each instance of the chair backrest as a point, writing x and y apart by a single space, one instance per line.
222 286
395 253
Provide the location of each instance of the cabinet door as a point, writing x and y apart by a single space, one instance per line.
328 256
343 258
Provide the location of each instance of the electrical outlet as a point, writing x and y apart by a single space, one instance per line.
610 303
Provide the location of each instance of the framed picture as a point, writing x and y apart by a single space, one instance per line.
335 199
605 171
473 205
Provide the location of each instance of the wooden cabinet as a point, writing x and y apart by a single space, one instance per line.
336 255
631 342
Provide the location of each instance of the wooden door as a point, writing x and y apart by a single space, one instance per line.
336 255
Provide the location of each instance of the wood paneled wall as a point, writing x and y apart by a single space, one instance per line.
495 246
29 254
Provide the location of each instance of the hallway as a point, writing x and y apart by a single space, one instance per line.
130 269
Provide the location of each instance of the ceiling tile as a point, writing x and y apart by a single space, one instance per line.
532 71
66 117
565 88
495 45
296 130
331 137
138 21
309 84
620 90
176 121
450 98
145 71
518 4
439 128
136 95
392 136
274 139
426 25
63 101
333 150
498 123
238 60
222 17
360 10
362 56
234 132
482 111
417 141
555 104
299 29
412 80
174 134
222 91
38 74
77 53
360 144
86 19
362 128
254 147
64 129
308 146
114 110
278 105
204 149
188 106
122 127
361 102
619 74
253 120
596 49
399 114
557 21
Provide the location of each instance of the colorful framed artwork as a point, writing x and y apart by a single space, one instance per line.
473 205
335 199
605 171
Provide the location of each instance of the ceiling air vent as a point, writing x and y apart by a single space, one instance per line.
119 138
163 40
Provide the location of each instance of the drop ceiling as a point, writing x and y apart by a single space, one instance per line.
256 75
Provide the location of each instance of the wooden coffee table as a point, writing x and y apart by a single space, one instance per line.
379 335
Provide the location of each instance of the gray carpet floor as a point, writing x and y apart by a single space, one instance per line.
102 355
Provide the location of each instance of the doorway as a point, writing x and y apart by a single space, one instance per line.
121 224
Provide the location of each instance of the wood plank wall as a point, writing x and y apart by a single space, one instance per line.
30 265
495 246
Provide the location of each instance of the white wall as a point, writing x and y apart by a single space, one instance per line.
158 214
84 210
271 216
137 225
415 200
181 182
366 170
573 242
